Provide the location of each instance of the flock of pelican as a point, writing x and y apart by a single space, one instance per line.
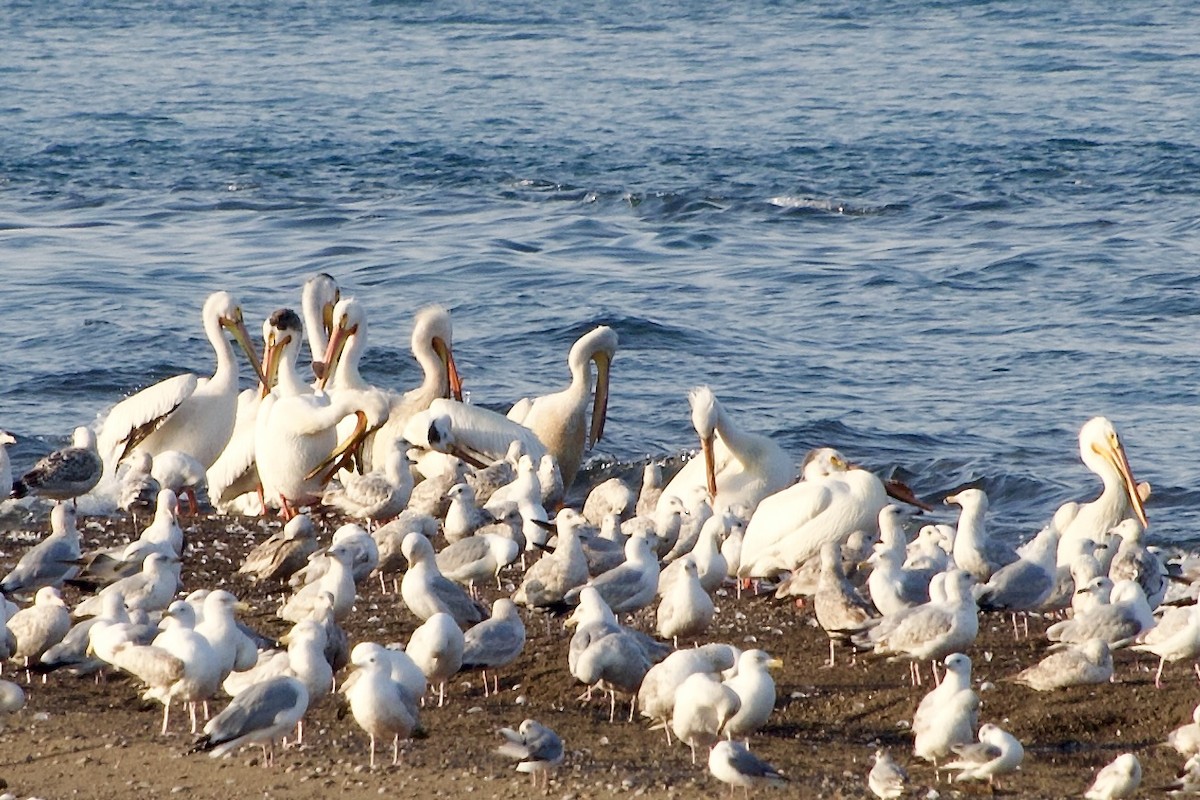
422 468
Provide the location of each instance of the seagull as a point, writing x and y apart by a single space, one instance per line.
6 480
755 689
494 643
40 626
1088 662
151 589
703 705
64 474
338 583
379 704
632 585
686 609
378 495
837 605
548 581
262 714
970 540
52 560
537 749
946 716
427 592
280 556
437 648
1120 778
733 763
997 753
1175 638
887 779
1185 739
477 559
656 698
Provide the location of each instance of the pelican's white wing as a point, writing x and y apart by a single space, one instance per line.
136 417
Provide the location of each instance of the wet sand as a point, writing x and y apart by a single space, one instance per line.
80 739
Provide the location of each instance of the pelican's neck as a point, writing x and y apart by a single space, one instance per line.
347 376
226 374
288 381
741 445
436 382
1113 501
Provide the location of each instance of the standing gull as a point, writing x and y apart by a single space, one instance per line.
494 643
262 714
427 592
996 753
51 561
755 689
437 648
686 609
380 705
64 474
732 763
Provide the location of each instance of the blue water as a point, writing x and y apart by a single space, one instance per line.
937 235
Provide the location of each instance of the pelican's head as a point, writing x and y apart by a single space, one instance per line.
432 330
349 320
704 420
282 332
1102 452
822 462
317 299
223 312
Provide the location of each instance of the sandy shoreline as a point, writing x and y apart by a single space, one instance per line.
80 739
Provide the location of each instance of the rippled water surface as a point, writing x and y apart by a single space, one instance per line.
937 235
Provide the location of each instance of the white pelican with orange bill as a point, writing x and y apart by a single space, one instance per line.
739 468
186 413
1102 453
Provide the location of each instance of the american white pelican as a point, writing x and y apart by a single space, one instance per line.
296 436
347 343
474 434
1102 453
66 473
317 299
738 467
835 500
432 346
233 480
186 413
559 419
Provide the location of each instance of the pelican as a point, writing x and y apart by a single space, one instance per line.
186 413
1102 453
296 438
432 346
317 299
559 419
739 467
341 378
235 472
835 500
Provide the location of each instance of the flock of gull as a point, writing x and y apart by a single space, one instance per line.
453 495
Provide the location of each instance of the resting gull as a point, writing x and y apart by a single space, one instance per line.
427 592
887 779
1120 778
1088 662
52 560
996 753
537 749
